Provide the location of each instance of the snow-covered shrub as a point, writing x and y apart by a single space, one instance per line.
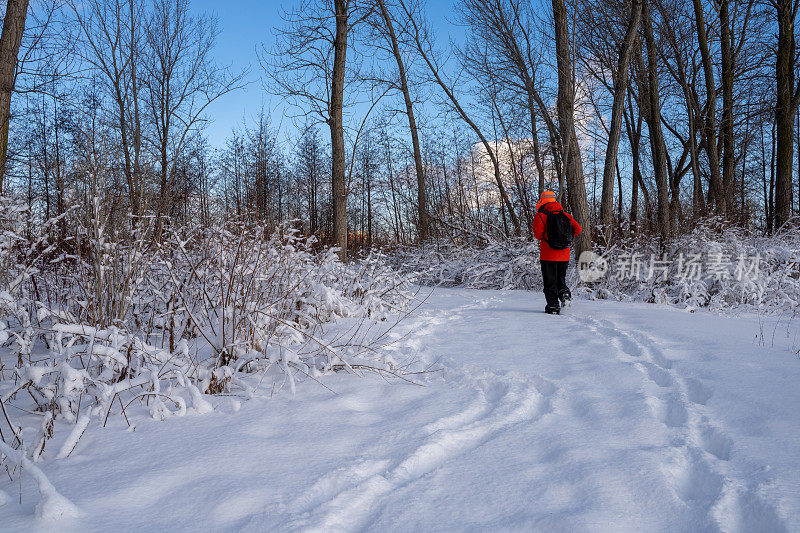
125 326
21 258
247 295
205 305
716 266
107 269
512 264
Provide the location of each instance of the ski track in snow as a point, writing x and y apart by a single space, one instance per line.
346 499
697 463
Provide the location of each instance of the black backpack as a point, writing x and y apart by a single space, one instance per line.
558 230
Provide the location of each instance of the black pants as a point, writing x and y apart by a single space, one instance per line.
554 275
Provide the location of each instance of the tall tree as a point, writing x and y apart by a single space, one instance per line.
566 118
310 66
617 109
709 129
653 118
504 29
424 48
113 45
10 40
422 200
182 81
728 157
336 123
785 107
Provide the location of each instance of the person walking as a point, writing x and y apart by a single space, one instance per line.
555 229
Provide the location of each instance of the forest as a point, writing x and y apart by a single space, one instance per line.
371 224
643 116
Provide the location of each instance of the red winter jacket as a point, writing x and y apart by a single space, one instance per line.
539 221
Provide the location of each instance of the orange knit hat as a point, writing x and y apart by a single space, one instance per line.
545 198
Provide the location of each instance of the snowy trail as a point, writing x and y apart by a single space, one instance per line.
613 417
696 465
501 402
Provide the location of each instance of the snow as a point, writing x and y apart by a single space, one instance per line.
74 436
52 506
615 416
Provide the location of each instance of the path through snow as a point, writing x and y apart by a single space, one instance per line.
614 417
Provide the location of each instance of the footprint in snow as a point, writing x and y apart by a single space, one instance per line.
714 441
697 391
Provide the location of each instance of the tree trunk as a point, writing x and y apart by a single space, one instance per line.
727 106
422 200
621 199
634 133
566 109
784 112
395 207
164 186
765 190
709 135
620 88
698 200
771 195
537 157
10 40
653 118
336 123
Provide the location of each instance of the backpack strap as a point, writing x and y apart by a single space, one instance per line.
546 216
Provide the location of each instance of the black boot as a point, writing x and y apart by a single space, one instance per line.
552 310
565 298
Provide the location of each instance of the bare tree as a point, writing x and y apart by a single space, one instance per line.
504 30
425 50
566 120
112 44
650 95
342 9
10 40
727 103
709 130
788 97
422 201
310 66
182 81
309 160
620 88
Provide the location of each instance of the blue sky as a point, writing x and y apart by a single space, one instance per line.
243 26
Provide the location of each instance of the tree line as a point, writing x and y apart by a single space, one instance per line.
643 116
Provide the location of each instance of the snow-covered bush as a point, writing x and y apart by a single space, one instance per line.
209 304
121 326
716 266
246 295
512 264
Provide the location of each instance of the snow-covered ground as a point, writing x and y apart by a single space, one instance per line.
613 417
